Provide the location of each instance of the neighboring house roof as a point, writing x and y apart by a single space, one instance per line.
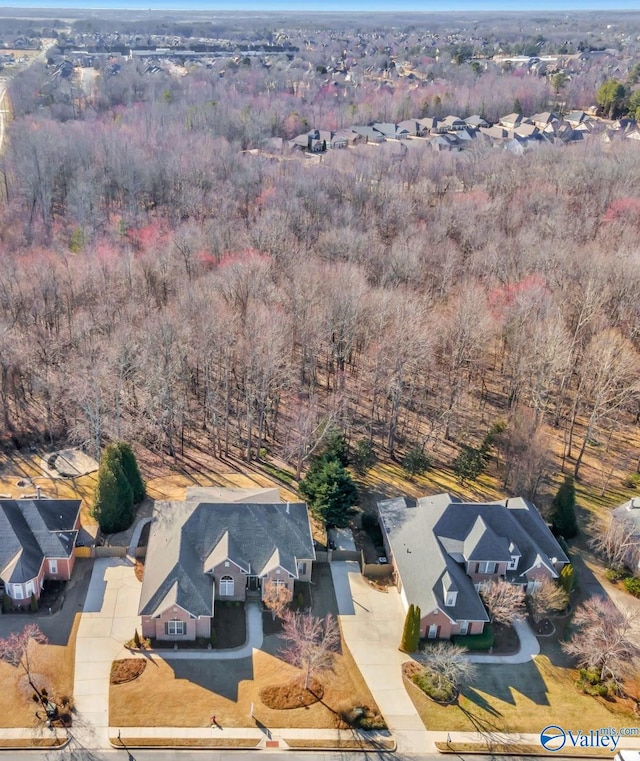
629 513
368 132
476 121
31 530
189 539
433 537
511 119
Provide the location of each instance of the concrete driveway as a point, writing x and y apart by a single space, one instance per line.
109 619
372 624
57 626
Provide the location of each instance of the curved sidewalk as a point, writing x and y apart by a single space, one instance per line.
529 647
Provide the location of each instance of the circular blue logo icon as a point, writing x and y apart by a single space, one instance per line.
553 738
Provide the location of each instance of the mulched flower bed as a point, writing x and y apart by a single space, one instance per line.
127 670
292 695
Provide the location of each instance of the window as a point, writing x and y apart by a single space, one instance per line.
279 583
17 592
30 589
226 586
433 631
451 599
487 566
302 569
513 563
53 566
175 628
463 627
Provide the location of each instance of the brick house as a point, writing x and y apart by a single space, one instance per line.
219 545
445 550
37 542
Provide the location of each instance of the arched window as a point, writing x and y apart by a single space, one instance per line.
226 586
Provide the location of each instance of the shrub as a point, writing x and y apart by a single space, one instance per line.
632 481
213 637
482 641
443 692
300 599
632 585
136 638
615 574
33 603
7 604
589 683
364 456
415 462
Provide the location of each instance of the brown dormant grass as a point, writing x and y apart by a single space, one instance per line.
158 699
54 669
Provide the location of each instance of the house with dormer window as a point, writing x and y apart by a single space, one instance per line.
445 551
37 542
219 545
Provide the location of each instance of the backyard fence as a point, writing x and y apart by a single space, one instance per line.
377 570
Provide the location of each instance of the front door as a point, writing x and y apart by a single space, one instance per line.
254 582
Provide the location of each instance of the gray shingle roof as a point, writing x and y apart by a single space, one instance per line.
31 530
431 542
188 538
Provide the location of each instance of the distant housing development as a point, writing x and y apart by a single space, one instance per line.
445 551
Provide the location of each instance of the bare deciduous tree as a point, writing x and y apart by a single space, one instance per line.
504 601
312 642
547 599
16 650
616 540
604 640
448 664
276 597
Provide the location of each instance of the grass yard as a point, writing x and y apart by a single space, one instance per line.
195 742
514 749
17 466
187 693
349 744
54 668
521 698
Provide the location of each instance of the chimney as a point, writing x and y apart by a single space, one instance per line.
37 492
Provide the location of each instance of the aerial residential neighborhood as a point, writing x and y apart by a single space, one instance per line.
320 381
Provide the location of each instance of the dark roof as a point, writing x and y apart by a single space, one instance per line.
430 545
31 530
188 539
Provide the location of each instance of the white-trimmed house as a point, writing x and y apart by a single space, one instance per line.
203 550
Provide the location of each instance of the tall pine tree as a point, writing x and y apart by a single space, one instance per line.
131 471
407 632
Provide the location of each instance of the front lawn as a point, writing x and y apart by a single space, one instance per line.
187 693
53 668
521 698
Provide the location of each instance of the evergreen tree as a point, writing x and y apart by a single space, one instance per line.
106 508
335 448
563 517
407 632
131 471
416 627
112 459
330 492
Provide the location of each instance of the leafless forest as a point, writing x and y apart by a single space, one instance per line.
165 281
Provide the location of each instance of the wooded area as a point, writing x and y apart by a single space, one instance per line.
163 285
